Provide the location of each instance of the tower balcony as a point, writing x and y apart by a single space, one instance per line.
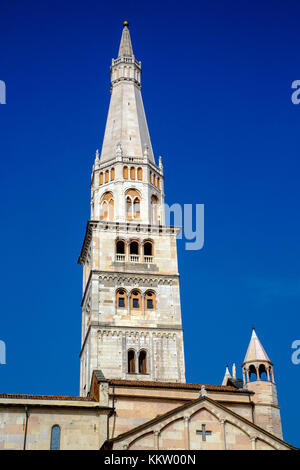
123 258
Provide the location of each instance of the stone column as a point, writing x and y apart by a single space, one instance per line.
156 439
186 432
223 432
253 442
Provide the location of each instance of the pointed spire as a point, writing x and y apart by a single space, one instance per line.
255 351
125 49
226 376
234 371
126 121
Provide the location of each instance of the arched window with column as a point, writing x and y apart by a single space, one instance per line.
131 361
133 201
55 438
107 207
252 373
142 362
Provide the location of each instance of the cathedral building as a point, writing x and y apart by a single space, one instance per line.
133 392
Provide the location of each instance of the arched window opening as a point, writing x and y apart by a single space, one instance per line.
140 173
128 207
136 208
149 300
135 299
158 183
148 249
125 172
134 248
154 180
262 373
112 174
107 207
55 438
154 209
151 179
101 178
142 362
120 247
106 176
131 362
252 373
132 173
121 299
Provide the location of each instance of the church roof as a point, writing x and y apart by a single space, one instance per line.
255 351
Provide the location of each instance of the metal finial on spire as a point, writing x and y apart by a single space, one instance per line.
126 24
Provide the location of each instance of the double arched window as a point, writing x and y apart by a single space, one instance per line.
141 362
133 201
107 207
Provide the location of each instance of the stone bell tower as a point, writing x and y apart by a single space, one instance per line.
131 315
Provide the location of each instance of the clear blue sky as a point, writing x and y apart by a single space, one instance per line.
216 87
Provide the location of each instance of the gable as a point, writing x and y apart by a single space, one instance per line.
202 424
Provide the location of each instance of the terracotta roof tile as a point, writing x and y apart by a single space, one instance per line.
176 385
43 397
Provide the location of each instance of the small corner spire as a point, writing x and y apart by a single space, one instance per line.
226 376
